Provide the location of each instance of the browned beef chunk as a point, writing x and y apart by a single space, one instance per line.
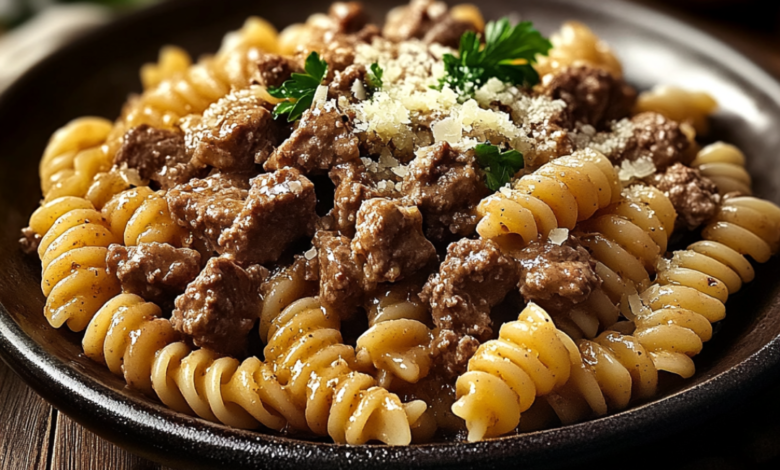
343 81
29 241
474 277
425 19
353 186
695 197
321 141
279 209
592 95
556 276
208 206
349 17
158 272
446 185
342 282
658 138
234 133
390 238
274 69
158 155
218 308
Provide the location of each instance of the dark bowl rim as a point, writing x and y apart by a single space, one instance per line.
83 397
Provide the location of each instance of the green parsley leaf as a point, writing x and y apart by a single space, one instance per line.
374 77
499 166
508 54
298 91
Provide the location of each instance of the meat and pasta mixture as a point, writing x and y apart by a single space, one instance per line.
438 228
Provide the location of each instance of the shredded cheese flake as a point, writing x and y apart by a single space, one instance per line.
558 236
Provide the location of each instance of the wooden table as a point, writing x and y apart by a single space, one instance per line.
35 436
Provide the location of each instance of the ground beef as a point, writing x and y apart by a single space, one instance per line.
274 69
474 277
695 197
592 95
29 241
342 282
208 206
342 83
658 138
390 238
349 17
427 20
321 141
446 185
158 155
556 276
353 186
453 351
218 308
234 133
279 209
158 272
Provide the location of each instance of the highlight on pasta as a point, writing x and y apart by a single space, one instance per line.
439 228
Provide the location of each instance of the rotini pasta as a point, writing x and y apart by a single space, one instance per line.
505 375
73 256
558 194
316 369
576 44
724 164
679 105
397 341
140 215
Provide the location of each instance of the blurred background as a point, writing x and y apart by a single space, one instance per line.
748 437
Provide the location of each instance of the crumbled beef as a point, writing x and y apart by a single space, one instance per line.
592 95
279 209
274 69
353 186
556 276
29 241
474 277
208 206
234 133
658 138
550 141
342 282
695 197
349 17
218 309
321 141
158 155
453 351
342 83
390 238
427 20
446 185
158 272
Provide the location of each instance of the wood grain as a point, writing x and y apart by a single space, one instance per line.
25 425
75 448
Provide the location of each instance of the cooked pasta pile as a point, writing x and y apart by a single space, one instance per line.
329 232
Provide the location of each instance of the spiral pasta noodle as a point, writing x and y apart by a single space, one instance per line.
558 194
73 251
397 342
679 105
316 369
724 164
140 215
505 375
576 44
284 288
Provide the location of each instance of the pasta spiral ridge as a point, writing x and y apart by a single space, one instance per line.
505 375
140 215
690 107
724 164
397 342
317 370
73 251
558 194
577 44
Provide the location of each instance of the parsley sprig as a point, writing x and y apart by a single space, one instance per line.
499 166
508 54
374 77
298 91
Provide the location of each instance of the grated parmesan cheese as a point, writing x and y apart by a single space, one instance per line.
320 96
358 91
310 254
448 130
637 169
558 236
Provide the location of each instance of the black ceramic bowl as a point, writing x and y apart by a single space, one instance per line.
94 76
